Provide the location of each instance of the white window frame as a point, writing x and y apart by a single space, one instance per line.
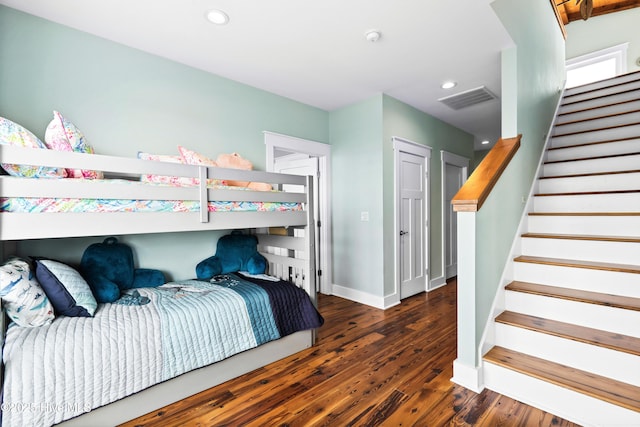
617 52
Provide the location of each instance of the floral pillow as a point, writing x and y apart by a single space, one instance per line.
22 296
163 179
191 157
13 134
62 135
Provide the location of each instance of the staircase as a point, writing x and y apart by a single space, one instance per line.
568 340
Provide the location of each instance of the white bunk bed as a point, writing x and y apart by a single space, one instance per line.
290 256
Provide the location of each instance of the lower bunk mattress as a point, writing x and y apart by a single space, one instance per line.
56 372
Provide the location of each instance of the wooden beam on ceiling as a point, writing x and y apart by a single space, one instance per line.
570 12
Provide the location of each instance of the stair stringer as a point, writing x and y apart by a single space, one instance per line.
488 339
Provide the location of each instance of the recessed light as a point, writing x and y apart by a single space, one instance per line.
485 142
217 17
448 85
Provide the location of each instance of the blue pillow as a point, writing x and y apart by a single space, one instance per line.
68 292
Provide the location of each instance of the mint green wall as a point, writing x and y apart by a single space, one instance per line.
611 29
356 156
125 100
362 156
538 68
404 121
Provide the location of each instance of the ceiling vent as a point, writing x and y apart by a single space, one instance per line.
468 98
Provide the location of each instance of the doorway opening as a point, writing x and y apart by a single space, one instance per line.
297 156
455 170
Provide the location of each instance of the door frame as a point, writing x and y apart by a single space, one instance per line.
447 158
275 141
424 151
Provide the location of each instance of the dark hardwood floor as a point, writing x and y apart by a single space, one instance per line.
370 367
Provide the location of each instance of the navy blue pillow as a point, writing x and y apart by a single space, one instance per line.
68 292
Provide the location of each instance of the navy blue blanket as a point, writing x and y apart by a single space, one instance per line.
291 307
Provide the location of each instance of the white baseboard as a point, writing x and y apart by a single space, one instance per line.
359 296
469 377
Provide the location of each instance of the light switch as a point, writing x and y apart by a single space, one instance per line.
364 216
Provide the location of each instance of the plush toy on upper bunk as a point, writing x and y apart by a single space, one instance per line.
234 252
108 269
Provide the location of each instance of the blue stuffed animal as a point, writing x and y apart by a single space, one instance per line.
108 269
234 252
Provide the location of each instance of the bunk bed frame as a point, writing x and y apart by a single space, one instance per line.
290 252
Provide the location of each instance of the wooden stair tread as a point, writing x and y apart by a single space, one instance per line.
604 116
610 340
592 265
594 237
579 175
579 159
566 101
605 141
611 104
579 295
578 132
597 386
586 193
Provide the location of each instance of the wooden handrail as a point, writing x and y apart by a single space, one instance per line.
477 188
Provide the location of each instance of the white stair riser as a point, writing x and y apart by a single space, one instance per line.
595 316
586 357
622 202
594 150
598 112
604 122
584 250
623 87
597 102
607 282
625 162
609 182
590 225
596 136
607 164
602 84
570 405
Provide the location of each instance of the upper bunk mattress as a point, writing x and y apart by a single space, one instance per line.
110 205
49 205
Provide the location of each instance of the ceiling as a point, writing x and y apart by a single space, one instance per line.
316 52
570 10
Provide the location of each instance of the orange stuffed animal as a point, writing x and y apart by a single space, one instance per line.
235 161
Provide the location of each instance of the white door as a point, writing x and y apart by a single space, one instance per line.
306 167
412 216
454 176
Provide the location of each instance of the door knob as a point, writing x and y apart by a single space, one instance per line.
402 232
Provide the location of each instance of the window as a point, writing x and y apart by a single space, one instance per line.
598 65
